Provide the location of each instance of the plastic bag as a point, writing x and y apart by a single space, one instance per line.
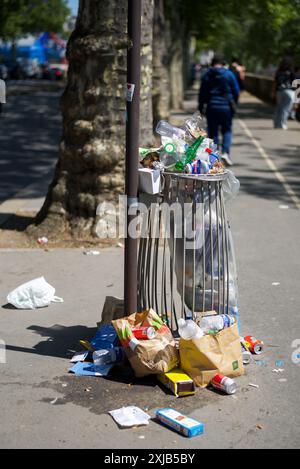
231 186
34 294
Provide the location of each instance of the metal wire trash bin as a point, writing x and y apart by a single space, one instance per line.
186 260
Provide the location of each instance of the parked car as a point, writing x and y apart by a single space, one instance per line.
52 73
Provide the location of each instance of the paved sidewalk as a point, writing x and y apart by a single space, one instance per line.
42 406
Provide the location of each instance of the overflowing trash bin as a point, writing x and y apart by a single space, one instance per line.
187 263
186 331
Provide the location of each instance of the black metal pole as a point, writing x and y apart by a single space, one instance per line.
132 148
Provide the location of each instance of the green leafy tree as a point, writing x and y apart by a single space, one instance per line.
19 17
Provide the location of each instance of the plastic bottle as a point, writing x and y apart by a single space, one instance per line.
217 322
165 129
108 356
190 154
193 125
189 330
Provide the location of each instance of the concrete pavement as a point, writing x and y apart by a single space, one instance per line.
38 342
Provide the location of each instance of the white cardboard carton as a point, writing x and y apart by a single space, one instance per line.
149 180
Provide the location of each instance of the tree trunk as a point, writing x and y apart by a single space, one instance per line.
146 116
176 25
90 166
161 74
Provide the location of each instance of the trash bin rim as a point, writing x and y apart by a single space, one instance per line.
200 177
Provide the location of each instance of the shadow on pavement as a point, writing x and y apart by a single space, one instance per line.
29 138
62 340
17 222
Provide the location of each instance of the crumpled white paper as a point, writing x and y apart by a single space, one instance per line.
130 416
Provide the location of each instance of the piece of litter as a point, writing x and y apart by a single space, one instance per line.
54 401
87 390
64 385
259 427
36 293
141 437
278 370
284 207
253 385
79 357
43 240
130 416
282 380
120 245
88 369
275 284
91 253
184 425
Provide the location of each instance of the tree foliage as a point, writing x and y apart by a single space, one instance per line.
259 31
20 17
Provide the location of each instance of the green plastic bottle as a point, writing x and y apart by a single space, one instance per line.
190 155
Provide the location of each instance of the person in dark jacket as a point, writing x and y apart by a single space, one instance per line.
219 93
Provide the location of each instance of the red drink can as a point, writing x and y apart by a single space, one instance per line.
223 383
254 345
144 332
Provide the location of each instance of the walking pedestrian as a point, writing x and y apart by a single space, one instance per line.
239 71
218 97
284 93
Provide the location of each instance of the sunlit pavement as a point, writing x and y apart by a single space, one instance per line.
265 224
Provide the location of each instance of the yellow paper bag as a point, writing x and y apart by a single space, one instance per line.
202 358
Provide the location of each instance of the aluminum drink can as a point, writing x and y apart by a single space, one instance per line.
144 332
255 346
223 383
245 352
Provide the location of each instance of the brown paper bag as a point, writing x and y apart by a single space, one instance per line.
158 355
202 358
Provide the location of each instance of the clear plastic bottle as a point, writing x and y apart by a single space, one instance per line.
108 356
165 129
189 330
217 322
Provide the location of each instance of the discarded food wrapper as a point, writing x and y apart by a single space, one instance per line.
178 382
42 240
91 253
34 294
89 369
184 425
87 345
130 416
106 337
79 357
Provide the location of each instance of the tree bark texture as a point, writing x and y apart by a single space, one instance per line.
161 74
90 166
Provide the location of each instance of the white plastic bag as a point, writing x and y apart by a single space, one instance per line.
34 294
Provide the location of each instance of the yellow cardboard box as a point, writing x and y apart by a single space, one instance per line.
178 382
